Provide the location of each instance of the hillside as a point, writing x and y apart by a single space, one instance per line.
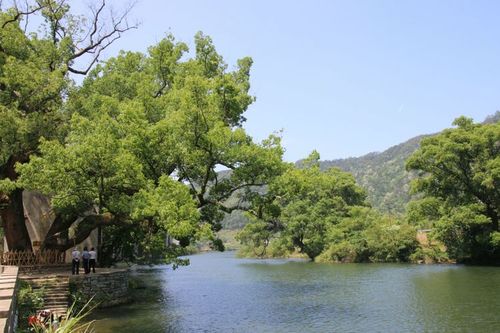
383 175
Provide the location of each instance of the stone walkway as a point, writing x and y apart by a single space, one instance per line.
60 271
8 280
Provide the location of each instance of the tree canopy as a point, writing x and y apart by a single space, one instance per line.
149 129
301 205
459 175
136 148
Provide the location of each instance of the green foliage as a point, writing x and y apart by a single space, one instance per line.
368 236
78 299
146 134
382 175
390 241
459 176
256 235
35 85
300 207
430 254
92 168
312 201
28 302
424 212
74 321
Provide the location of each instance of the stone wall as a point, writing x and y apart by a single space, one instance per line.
106 288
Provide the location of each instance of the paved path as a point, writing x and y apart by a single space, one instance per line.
8 280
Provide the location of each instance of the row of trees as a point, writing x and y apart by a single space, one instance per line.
134 152
325 216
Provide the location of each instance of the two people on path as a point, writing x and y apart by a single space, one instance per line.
88 258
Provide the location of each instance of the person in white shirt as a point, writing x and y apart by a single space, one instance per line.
93 257
75 263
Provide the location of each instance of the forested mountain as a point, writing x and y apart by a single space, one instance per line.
383 174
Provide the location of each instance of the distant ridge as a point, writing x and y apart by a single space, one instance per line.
383 174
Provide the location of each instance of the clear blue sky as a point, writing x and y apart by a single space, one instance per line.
345 77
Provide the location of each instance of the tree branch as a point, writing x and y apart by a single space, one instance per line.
97 42
20 13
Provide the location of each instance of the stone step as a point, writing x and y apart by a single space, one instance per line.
5 305
56 298
49 286
44 280
56 305
59 311
42 283
48 283
58 292
6 293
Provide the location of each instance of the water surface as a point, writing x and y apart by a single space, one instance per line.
221 293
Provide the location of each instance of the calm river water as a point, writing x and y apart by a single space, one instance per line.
220 293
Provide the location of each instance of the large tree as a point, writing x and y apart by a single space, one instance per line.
141 122
300 206
34 82
459 169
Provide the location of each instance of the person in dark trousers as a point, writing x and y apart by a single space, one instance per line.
93 257
75 263
86 258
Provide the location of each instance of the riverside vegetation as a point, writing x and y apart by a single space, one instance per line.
326 216
134 152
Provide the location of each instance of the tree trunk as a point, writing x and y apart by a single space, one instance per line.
12 214
14 225
85 226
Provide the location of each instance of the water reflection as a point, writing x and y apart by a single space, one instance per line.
219 293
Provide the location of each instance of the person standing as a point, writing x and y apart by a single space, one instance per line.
93 257
86 258
75 262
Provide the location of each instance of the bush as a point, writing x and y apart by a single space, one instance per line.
339 253
429 255
28 302
368 236
390 241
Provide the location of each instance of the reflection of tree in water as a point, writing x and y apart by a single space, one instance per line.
457 298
